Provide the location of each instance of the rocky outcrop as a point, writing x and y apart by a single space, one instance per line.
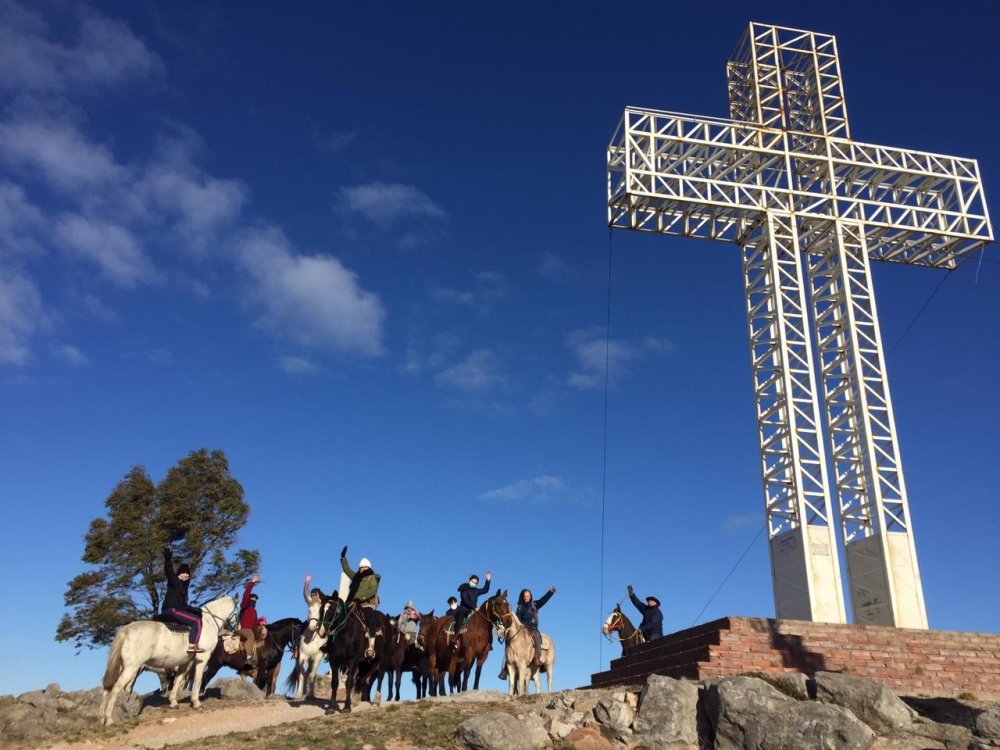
732 713
728 713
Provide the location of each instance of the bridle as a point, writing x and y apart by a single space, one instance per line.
495 618
615 623
230 623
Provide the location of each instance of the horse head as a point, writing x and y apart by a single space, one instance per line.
497 611
614 622
331 610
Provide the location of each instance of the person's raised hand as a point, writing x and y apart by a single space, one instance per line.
343 552
308 577
630 589
256 578
552 590
488 575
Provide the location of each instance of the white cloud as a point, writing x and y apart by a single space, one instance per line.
597 357
476 373
297 365
386 204
200 204
490 286
21 315
103 53
57 152
19 219
539 489
312 301
112 247
68 354
742 523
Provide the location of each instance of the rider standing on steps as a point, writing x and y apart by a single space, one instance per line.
527 613
175 603
652 617
249 621
468 596
364 591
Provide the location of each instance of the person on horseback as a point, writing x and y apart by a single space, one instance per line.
175 603
652 617
364 592
409 622
468 601
527 613
249 621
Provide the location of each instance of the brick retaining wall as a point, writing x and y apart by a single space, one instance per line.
913 662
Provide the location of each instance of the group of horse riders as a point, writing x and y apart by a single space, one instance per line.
363 592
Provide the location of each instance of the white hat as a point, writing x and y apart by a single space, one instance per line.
365 563
410 605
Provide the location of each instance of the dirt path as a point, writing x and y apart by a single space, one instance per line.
185 725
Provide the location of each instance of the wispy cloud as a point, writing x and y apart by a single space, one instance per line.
478 372
742 523
68 354
541 489
21 314
58 153
383 203
297 365
113 248
596 356
488 288
313 301
335 143
102 52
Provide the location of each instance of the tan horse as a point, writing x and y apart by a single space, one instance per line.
520 652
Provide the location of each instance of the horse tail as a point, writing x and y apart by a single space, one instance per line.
115 665
293 678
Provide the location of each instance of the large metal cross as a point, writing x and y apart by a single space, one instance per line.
809 208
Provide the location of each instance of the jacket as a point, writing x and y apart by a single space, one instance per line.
652 619
248 613
468 595
527 612
364 586
177 590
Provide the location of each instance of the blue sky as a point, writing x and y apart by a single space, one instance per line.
364 252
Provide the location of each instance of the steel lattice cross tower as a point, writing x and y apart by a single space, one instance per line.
809 209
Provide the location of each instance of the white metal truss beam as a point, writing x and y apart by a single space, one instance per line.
784 181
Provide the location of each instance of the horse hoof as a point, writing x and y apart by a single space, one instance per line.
332 710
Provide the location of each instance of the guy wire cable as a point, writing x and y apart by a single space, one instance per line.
604 458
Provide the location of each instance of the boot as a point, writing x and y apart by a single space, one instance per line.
536 663
370 651
503 672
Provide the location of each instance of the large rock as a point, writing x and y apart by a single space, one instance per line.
667 717
988 724
870 700
494 731
746 712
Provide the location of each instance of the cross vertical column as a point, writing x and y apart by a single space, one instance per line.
883 574
805 567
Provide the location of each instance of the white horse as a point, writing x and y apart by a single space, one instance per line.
314 638
520 652
153 645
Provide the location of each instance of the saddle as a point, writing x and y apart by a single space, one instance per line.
173 625
462 626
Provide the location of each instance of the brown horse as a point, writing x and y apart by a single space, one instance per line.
629 636
402 656
476 642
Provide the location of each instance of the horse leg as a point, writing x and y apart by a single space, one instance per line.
349 687
332 706
199 671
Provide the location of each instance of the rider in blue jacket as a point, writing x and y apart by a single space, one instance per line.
527 613
652 617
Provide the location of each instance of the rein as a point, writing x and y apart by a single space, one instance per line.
619 618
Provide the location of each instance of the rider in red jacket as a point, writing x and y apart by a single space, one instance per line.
249 621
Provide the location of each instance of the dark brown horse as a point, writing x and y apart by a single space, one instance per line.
402 656
629 636
347 649
267 653
475 644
